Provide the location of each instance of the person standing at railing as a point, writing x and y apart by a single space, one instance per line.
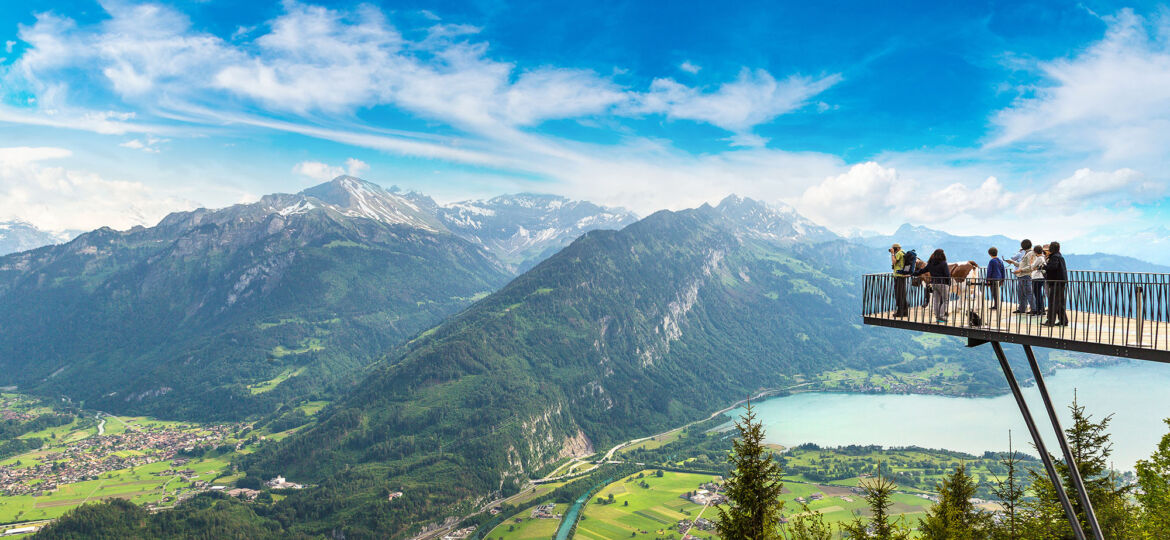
1056 274
898 263
940 283
995 275
1036 268
1023 278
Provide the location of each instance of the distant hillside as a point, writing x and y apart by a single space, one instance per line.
960 248
219 314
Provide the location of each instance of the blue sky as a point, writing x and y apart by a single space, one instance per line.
1048 120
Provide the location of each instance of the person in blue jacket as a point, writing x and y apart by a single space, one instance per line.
995 276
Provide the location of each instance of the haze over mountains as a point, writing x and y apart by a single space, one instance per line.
18 235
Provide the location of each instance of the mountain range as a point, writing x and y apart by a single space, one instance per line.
620 334
220 314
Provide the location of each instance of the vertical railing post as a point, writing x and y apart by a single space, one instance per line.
1140 315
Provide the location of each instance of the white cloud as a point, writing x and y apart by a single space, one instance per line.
872 196
1111 100
1089 186
318 170
8 45
356 167
688 67
314 59
324 172
56 198
147 144
755 97
24 155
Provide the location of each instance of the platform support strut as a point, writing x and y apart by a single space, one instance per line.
1073 521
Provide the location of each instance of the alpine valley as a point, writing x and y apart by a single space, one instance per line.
463 348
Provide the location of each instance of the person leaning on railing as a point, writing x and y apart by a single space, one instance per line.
940 281
1056 274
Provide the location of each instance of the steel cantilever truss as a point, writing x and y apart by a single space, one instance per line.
1074 473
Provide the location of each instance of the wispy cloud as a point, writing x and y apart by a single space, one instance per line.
322 172
58 198
755 97
1111 100
319 60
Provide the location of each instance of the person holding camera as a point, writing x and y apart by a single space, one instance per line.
898 264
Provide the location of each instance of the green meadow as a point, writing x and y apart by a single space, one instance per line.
523 526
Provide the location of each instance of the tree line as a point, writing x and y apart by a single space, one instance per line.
1030 506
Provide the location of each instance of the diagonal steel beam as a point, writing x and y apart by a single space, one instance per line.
1048 466
1073 472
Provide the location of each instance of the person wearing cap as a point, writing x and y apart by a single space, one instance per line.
897 262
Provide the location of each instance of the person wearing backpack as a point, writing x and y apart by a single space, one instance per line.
899 262
995 275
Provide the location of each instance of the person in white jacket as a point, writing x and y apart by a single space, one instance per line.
1036 270
1023 279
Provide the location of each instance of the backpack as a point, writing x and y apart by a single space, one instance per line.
909 259
973 319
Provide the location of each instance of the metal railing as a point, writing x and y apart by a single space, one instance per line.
1117 309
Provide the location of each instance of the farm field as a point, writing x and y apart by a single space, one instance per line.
140 485
523 526
655 510
651 510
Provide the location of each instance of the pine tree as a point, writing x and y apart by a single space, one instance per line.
809 525
1154 479
878 493
1010 493
955 517
753 486
1089 444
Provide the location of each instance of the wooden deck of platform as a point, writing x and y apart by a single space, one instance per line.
1131 323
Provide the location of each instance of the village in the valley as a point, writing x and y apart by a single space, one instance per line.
90 457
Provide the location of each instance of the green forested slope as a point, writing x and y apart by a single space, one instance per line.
620 334
180 319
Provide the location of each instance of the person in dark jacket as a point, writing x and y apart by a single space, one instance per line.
940 283
995 275
1056 276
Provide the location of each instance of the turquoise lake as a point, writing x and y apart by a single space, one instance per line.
1137 394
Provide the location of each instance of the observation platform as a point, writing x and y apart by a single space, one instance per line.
1119 314
1111 313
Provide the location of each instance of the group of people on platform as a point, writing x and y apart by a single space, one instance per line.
1040 274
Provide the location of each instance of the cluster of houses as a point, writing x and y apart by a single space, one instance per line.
91 457
703 524
545 511
460 534
814 497
281 483
708 494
